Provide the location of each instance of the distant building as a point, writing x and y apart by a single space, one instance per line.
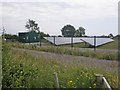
28 37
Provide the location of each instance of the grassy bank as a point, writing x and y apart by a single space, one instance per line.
0 62
22 70
111 45
70 51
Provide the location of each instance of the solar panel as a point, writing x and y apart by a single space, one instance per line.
67 40
99 41
63 40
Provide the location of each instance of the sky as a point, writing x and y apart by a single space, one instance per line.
98 17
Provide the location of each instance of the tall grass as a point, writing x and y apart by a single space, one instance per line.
0 62
21 70
71 51
111 45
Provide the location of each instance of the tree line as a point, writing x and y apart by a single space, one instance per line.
67 31
31 25
70 31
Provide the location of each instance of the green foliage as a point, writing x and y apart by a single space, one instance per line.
111 45
72 51
13 73
32 26
10 36
21 70
80 32
68 31
0 62
110 35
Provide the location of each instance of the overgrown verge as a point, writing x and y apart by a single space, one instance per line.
75 51
20 70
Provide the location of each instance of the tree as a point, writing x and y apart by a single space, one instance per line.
10 37
32 26
110 35
68 31
80 32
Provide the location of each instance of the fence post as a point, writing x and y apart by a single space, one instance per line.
40 39
56 80
71 41
94 43
54 40
99 81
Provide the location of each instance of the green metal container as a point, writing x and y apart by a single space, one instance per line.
29 37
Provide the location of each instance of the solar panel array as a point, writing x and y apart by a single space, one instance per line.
63 40
99 41
67 40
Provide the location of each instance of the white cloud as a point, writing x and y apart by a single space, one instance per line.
75 1
53 15
80 10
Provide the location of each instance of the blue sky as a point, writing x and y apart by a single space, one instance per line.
98 17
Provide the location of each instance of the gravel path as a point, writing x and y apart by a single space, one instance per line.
107 65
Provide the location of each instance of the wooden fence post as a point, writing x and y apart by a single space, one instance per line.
56 80
99 80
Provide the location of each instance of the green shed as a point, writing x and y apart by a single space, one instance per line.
28 37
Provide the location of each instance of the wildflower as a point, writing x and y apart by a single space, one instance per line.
70 81
94 84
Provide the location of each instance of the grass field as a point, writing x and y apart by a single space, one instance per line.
111 45
71 51
23 70
0 62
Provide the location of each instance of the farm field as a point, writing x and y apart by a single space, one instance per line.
34 68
